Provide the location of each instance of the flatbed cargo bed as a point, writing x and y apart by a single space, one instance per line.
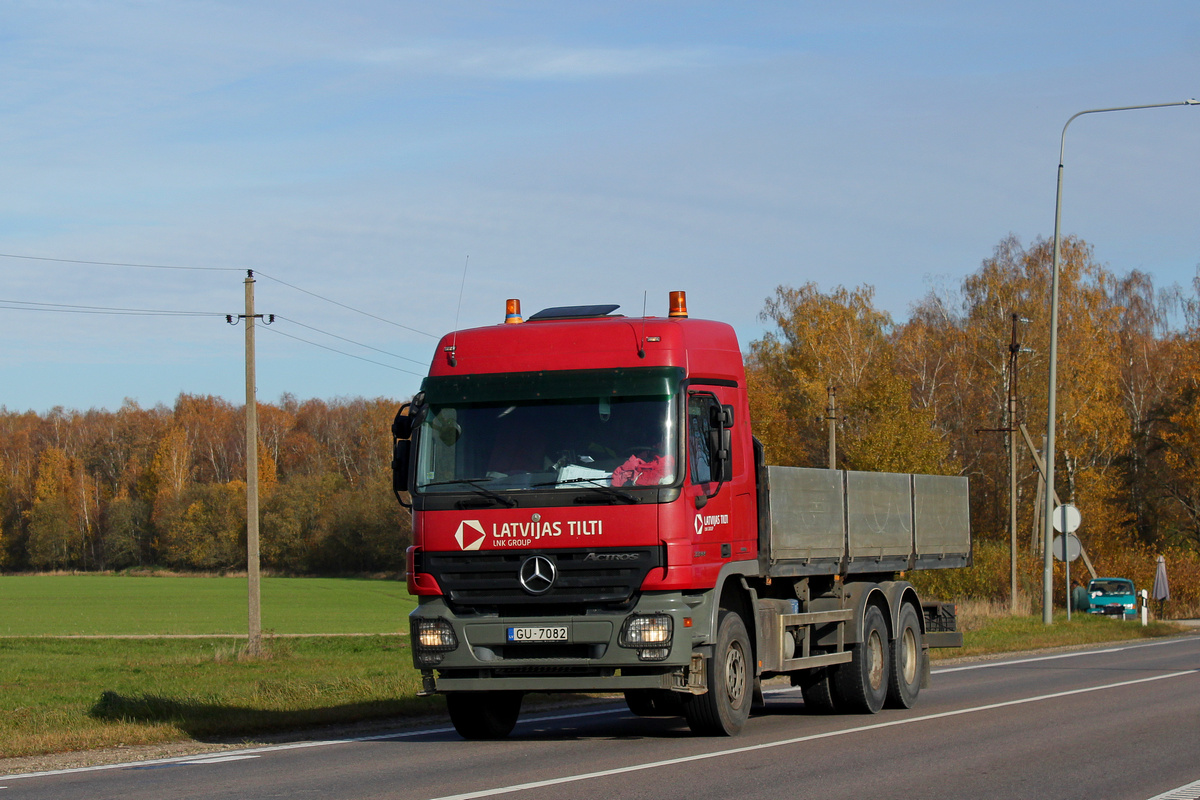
839 522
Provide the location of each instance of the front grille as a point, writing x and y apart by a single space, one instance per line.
555 672
584 578
545 652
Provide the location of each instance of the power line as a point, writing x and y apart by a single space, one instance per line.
219 269
350 341
64 308
342 352
119 263
343 305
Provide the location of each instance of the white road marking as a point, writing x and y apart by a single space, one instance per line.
1189 792
1055 657
219 759
521 787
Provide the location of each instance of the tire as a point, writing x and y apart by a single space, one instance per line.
653 702
725 707
484 715
862 682
817 689
907 655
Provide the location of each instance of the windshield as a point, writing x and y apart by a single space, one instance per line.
596 436
1107 587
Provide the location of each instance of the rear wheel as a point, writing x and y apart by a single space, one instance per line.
484 715
907 652
816 687
725 707
862 682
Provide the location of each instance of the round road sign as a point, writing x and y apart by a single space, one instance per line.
1073 547
1066 518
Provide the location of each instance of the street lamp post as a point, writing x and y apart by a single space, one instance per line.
1048 556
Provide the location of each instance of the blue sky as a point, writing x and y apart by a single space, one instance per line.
566 153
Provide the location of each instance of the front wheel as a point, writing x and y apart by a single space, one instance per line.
484 715
725 707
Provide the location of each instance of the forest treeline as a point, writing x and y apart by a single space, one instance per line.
165 487
931 394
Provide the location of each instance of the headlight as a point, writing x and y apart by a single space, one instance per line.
431 640
650 635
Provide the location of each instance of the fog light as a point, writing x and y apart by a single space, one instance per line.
657 654
654 630
431 640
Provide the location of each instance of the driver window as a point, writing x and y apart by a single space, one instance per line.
700 455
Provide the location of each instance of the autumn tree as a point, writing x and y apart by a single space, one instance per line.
55 538
837 340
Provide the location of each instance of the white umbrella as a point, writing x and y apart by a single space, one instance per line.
1161 590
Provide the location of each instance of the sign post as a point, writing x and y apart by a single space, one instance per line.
1066 520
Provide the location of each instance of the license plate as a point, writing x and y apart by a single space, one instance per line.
540 633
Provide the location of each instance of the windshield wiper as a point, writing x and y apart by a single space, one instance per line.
473 483
596 485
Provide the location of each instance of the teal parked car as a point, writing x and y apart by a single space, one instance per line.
1112 596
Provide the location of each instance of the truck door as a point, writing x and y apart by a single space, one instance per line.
709 471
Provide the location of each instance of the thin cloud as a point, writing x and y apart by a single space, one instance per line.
466 59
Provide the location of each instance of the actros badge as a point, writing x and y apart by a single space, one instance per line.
537 574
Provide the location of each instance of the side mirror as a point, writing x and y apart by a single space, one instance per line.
403 423
720 445
720 416
400 458
724 463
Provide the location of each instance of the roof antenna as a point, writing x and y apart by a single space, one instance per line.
642 341
458 311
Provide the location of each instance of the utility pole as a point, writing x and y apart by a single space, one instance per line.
254 600
831 416
1014 349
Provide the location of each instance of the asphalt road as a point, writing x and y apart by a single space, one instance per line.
1115 723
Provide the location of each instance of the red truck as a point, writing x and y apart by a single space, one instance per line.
592 513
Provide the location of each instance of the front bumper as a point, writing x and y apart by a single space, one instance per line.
590 658
1115 611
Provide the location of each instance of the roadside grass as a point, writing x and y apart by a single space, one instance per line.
122 605
988 628
59 695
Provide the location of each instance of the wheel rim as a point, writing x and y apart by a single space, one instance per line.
875 667
735 675
908 651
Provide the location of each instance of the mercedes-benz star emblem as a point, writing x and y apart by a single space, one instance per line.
537 574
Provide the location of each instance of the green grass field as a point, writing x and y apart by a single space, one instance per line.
118 605
59 695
